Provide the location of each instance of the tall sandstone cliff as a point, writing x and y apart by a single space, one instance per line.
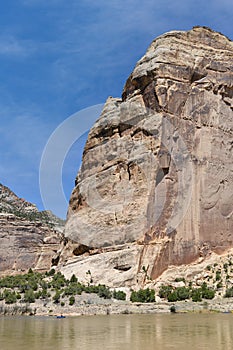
28 238
155 187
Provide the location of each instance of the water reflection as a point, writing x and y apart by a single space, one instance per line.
118 332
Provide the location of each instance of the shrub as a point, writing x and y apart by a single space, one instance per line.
208 293
183 293
51 272
229 293
33 285
104 292
56 297
71 300
172 297
43 284
218 276
38 295
119 295
73 279
29 296
10 297
196 295
58 281
72 289
143 296
44 293
204 286
164 291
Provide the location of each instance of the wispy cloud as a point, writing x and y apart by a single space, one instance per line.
12 46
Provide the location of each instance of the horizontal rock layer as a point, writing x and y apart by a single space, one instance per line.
28 238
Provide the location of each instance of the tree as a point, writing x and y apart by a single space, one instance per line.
73 279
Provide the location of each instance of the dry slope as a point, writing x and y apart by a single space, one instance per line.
29 238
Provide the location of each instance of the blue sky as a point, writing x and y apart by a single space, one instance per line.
58 57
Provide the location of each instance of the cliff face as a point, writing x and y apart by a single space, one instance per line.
156 184
29 238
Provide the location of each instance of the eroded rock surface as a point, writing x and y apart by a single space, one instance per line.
28 238
156 184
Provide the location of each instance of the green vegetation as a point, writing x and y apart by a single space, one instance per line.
49 286
119 295
173 294
165 291
40 216
143 296
29 296
53 287
218 276
10 297
71 300
196 295
229 293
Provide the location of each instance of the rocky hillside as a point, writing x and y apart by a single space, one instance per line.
29 238
10 203
156 184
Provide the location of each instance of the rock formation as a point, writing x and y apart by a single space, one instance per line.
155 185
29 238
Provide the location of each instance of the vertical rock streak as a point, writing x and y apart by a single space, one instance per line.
156 176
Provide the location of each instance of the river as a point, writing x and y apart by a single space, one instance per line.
118 332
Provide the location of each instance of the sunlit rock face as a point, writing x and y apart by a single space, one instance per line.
156 183
28 238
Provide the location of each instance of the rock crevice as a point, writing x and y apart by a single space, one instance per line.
157 167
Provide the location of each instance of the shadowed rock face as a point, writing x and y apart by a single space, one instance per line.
28 238
155 186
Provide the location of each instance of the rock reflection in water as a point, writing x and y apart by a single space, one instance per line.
118 332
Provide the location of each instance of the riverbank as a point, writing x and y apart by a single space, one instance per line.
92 305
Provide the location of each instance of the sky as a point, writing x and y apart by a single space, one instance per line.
59 58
